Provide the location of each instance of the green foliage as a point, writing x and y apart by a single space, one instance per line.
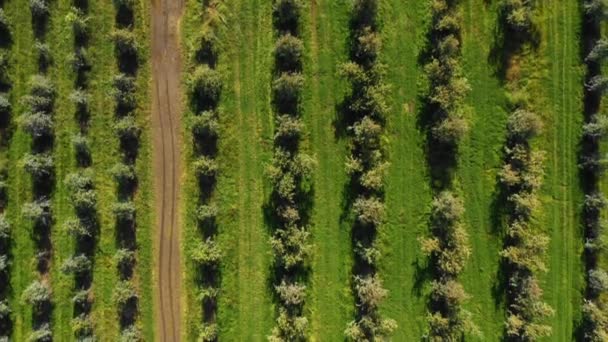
519 14
291 247
291 294
42 334
36 294
124 211
205 86
207 333
39 8
127 128
124 92
528 311
125 43
5 228
288 52
124 292
205 125
205 167
37 124
38 212
131 334
207 253
289 327
76 265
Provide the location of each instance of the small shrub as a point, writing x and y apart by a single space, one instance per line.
291 293
36 294
39 9
132 333
287 90
205 167
78 181
79 60
124 258
286 14
207 332
205 126
77 228
5 27
125 43
291 246
206 214
523 124
38 212
288 53
5 228
205 85
45 57
124 211
82 327
124 92
80 144
42 334
289 327
124 175
76 265
127 129
37 124
207 253
597 281
369 211
5 107
124 291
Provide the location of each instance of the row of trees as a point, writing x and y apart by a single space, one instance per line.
448 247
5 227
595 130
364 112
290 176
126 297
204 91
38 121
84 227
521 178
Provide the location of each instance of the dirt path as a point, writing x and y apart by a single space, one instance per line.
166 68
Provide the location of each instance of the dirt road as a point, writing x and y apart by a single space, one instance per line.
166 95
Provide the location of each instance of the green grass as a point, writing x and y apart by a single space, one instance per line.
330 303
246 310
562 195
104 146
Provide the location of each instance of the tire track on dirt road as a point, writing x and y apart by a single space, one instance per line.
166 66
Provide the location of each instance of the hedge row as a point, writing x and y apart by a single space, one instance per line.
5 227
37 120
126 297
84 227
448 247
592 164
204 91
521 178
290 176
363 113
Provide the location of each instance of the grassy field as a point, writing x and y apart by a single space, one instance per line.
246 310
104 146
245 307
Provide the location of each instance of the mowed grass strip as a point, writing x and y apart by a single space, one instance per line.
562 197
481 157
245 309
22 66
408 195
325 34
